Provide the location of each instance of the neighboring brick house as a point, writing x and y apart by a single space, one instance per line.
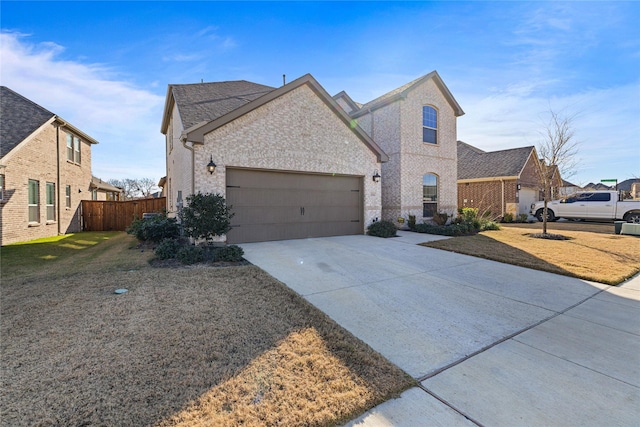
101 190
288 160
416 126
498 182
45 171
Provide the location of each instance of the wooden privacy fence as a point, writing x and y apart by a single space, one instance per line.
106 215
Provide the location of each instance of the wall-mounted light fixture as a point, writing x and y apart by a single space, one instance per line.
211 167
376 176
518 187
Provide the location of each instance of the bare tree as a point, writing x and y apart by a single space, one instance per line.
557 152
135 188
146 187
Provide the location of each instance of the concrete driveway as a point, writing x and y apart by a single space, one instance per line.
490 343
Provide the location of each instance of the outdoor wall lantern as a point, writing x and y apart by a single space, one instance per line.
211 167
376 176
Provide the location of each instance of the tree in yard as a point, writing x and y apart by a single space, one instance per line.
135 188
557 152
206 216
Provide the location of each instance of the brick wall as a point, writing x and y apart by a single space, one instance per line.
179 167
35 158
397 128
487 196
295 132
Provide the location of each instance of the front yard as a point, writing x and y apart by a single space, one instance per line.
605 258
184 346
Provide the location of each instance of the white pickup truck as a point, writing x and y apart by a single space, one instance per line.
600 205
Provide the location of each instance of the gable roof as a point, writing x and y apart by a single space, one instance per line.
402 91
474 163
196 133
99 184
203 102
350 102
19 118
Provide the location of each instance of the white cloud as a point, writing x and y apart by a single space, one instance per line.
607 125
123 118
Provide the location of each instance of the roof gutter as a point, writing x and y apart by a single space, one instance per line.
492 178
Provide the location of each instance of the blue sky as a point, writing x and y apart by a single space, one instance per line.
105 66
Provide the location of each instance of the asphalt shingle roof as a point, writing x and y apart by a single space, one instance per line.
474 163
202 102
19 118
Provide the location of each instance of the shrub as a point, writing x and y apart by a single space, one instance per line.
412 222
230 253
489 225
382 229
440 218
154 229
523 218
469 214
206 216
190 254
168 248
508 217
460 229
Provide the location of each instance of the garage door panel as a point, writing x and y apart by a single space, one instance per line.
274 205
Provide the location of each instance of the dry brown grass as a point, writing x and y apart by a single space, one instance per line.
193 346
605 258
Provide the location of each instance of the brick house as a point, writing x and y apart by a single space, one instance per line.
416 126
294 162
45 171
498 182
101 190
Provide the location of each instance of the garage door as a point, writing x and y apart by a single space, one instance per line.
273 205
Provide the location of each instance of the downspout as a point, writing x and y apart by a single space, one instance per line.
193 164
502 182
58 177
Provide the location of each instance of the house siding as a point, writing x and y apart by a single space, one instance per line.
487 196
35 159
294 132
397 129
179 163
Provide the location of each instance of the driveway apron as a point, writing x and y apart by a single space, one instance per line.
490 343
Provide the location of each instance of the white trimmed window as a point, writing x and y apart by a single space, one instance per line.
73 148
34 201
2 187
67 196
429 195
429 125
51 201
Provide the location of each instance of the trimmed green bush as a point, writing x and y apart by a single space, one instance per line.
230 253
382 229
508 217
190 254
523 218
206 216
168 248
154 229
486 224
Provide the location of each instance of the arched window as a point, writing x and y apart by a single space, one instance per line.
429 125
429 195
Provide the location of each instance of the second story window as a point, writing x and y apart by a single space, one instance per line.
73 148
429 125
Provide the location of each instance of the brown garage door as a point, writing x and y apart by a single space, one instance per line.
270 205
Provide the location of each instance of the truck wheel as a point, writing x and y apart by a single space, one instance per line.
633 217
550 216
